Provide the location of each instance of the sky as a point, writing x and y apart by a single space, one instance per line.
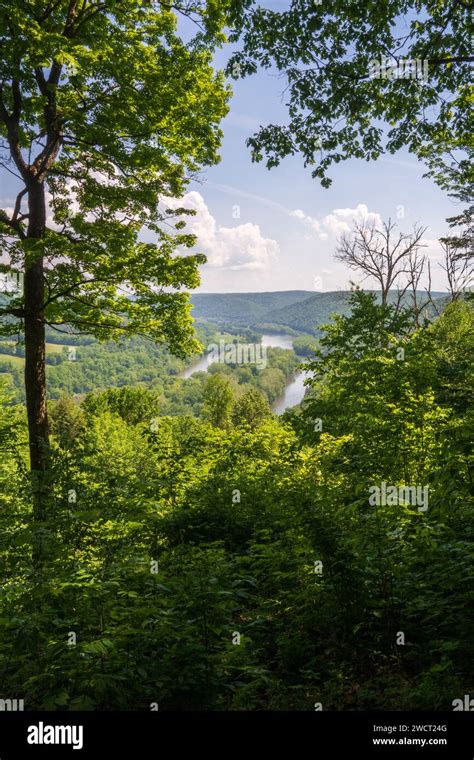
277 229
273 230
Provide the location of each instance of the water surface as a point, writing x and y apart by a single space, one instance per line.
294 391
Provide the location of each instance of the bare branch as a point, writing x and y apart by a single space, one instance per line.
459 271
375 253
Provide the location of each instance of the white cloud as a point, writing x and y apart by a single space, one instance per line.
234 248
339 221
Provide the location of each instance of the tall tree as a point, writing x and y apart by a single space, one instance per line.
105 110
350 67
252 408
218 400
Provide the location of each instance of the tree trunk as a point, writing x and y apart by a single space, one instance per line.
35 369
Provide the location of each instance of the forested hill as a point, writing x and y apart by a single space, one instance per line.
279 311
300 310
314 311
244 308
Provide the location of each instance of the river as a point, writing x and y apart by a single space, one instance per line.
200 365
292 395
294 391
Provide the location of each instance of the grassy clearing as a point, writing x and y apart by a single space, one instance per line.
17 361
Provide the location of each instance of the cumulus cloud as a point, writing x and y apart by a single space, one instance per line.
339 221
242 247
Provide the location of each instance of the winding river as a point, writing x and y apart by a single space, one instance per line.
200 365
292 395
294 391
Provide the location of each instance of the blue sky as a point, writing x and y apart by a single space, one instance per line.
277 230
295 251
246 219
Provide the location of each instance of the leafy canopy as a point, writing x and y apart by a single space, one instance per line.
337 110
111 110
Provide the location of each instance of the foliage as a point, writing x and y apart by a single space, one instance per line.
240 565
119 139
218 400
305 345
251 408
133 405
339 108
67 421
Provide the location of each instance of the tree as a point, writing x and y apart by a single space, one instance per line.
305 345
10 418
67 421
104 111
379 254
461 244
453 336
458 269
350 67
132 404
251 408
218 400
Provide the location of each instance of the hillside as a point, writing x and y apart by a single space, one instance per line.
300 310
308 315
243 308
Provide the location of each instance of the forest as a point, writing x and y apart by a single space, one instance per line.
171 538
167 540
75 369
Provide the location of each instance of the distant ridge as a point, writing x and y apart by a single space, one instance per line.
300 310
243 308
